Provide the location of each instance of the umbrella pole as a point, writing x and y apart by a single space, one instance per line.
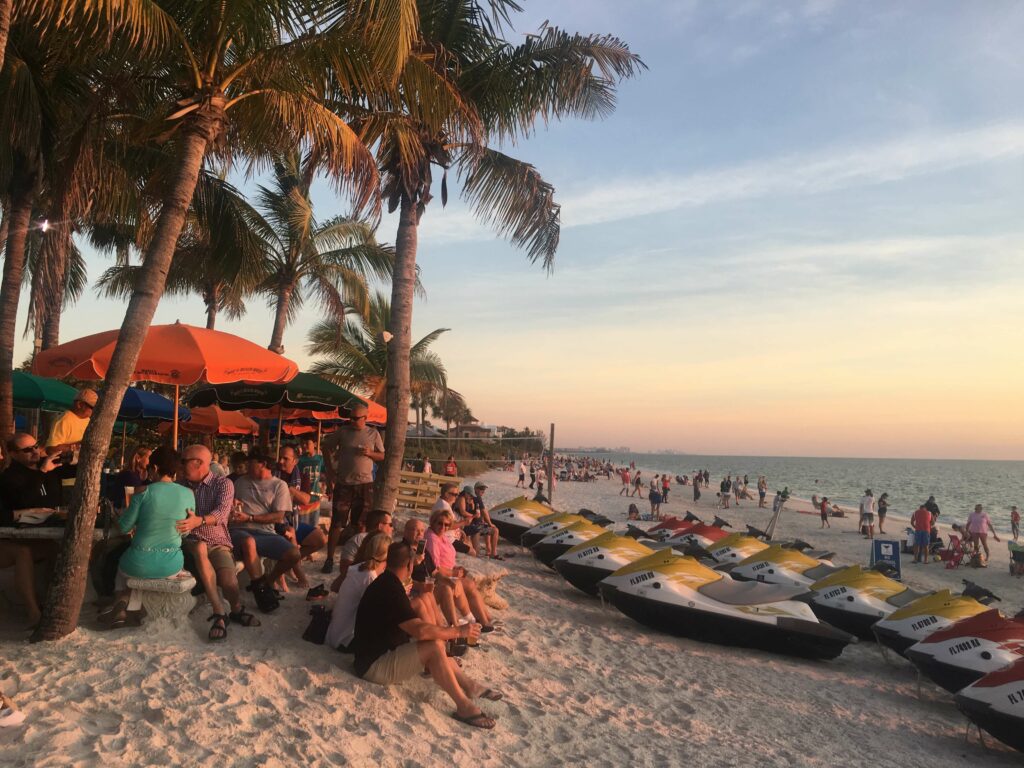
280 408
124 439
174 431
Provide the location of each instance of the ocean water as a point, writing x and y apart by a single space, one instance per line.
956 484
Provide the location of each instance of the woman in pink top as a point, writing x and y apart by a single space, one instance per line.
978 526
455 593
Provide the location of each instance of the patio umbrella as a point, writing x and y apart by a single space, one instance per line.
41 392
138 404
306 391
175 354
212 420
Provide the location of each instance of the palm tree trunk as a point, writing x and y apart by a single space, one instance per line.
284 299
51 327
5 26
67 588
212 298
403 285
18 219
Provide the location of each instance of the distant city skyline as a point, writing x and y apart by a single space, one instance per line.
799 235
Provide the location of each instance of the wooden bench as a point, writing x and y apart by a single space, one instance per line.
169 598
418 491
487 574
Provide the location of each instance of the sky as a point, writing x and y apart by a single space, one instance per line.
799 234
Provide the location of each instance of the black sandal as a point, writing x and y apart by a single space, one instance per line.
243 617
219 628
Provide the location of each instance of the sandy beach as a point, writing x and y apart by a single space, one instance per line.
584 685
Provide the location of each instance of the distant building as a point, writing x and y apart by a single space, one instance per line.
476 430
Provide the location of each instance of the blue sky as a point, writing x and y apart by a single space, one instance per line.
800 233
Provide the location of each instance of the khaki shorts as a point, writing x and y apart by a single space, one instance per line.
395 666
220 557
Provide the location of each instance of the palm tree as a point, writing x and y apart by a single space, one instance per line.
220 253
497 92
355 354
241 81
331 260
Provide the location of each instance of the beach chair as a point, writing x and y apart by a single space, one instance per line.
1016 558
954 554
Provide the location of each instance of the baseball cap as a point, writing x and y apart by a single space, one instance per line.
480 486
88 396
467 489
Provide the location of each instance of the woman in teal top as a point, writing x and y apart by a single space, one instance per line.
155 551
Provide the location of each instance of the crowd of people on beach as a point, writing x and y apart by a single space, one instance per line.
402 606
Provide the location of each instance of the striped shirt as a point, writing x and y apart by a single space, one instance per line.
214 496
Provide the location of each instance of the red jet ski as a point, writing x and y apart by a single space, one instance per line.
995 703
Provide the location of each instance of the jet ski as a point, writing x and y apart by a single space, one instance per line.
550 547
920 618
995 703
548 525
701 534
514 518
595 518
683 597
585 564
779 565
673 524
853 599
735 547
964 652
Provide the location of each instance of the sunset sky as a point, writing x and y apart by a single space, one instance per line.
801 234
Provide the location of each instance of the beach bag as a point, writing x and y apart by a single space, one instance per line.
316 632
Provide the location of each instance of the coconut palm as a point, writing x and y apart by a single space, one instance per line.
354 354
330 260
220 253
239 81
501 91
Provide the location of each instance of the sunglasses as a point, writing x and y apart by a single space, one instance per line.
27 448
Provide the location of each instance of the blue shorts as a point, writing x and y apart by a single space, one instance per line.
267 544
474 528
302 530
922 538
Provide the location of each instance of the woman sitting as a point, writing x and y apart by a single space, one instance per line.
371 558
134 476
155 551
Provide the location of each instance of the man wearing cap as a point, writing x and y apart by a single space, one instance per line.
482 518
67 431
349 454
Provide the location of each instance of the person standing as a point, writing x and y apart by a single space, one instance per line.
725 487
823 511
1015 522
451 469
521 482
625 482
921 522
533 474
867 514
637 485
666 484
696 487
978 526
349 454
883 508
311 467
707 479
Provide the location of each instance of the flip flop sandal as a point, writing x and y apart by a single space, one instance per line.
492 695
244 618
476 721
219 628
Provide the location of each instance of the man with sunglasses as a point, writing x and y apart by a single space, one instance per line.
67 431
349 454
28 483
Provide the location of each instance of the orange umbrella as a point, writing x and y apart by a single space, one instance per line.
211 420
175 354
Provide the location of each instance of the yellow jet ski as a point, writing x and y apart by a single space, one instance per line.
853 599
781 565
550 547
547 525
515 517
585 564
683 597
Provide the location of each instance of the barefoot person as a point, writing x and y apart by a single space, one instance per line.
385 625
978 526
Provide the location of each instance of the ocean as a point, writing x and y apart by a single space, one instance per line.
956 484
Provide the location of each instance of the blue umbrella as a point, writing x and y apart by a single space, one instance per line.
140 404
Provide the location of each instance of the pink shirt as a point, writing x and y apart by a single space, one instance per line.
978 522
440 550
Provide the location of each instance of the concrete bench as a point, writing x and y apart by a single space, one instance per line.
487 574
169 598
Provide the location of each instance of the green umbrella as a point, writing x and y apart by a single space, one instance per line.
43 393
304 391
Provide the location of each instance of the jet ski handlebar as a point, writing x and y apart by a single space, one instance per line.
982 595
721 523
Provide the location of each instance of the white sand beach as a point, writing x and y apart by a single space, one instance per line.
584 685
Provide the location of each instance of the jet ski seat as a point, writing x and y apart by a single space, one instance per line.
906 596
820 554
730 592
821 571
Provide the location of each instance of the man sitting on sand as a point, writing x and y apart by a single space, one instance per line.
386 622
209 542
262 501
